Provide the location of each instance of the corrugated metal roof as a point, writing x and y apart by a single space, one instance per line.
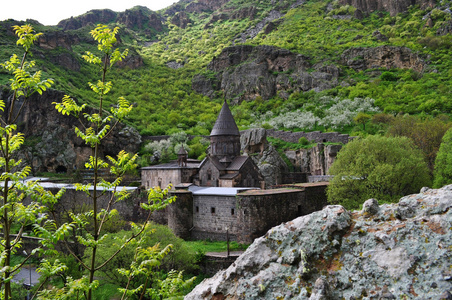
225 124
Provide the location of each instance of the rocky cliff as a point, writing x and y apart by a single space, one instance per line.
398 251
247 72
393 7
51 144
139 17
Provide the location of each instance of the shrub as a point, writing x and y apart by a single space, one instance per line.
443 162
303 141
385 168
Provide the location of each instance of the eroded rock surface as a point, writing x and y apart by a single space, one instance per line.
271 166
51 143
246 72
397 251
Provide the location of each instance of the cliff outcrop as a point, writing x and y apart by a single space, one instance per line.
246 72
397 251
138 17
393 7
388 57
51 143
94 16
253 142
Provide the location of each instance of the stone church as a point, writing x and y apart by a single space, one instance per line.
224 166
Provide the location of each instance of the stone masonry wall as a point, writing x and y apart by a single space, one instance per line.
212 215
315 136
180 214
258 211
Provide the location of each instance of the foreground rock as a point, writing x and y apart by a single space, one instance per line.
398 251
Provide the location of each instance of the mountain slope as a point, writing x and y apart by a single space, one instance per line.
400 58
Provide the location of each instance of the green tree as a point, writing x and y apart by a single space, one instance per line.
14 211
425 133
379 167
443 162
362 118
95 126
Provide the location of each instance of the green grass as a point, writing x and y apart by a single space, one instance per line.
209 246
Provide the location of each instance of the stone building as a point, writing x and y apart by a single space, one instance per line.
224 166
242 213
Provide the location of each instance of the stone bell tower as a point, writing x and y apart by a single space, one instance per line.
225 136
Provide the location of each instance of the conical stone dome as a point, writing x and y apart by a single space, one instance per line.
225 136
225 124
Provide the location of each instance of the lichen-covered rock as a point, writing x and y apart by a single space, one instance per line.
397 251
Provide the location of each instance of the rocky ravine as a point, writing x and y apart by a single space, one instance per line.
398 251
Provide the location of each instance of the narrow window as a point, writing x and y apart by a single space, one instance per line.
232 212
197 209
299 210
212 210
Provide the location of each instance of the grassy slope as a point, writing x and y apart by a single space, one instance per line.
166 102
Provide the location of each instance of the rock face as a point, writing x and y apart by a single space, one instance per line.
180 19
398 251
140 19
200 6
393 7
54 39
136 18
382 57
246 72
314 161
51 144
94 16
271 166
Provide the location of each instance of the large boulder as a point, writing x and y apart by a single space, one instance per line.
397 251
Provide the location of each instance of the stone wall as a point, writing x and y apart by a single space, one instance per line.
160 177
258 211
212 215
314 136
180 214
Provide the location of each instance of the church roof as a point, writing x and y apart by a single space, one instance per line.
182 151
225 124
237 163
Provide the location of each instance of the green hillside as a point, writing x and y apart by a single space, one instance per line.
320 30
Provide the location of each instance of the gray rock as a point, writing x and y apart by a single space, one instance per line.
335 254
371 206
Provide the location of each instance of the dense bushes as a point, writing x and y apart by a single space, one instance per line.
443 162
384 168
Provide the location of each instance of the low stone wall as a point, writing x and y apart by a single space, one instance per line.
314 136
319 178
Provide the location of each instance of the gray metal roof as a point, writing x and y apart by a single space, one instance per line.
216 191
225 124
